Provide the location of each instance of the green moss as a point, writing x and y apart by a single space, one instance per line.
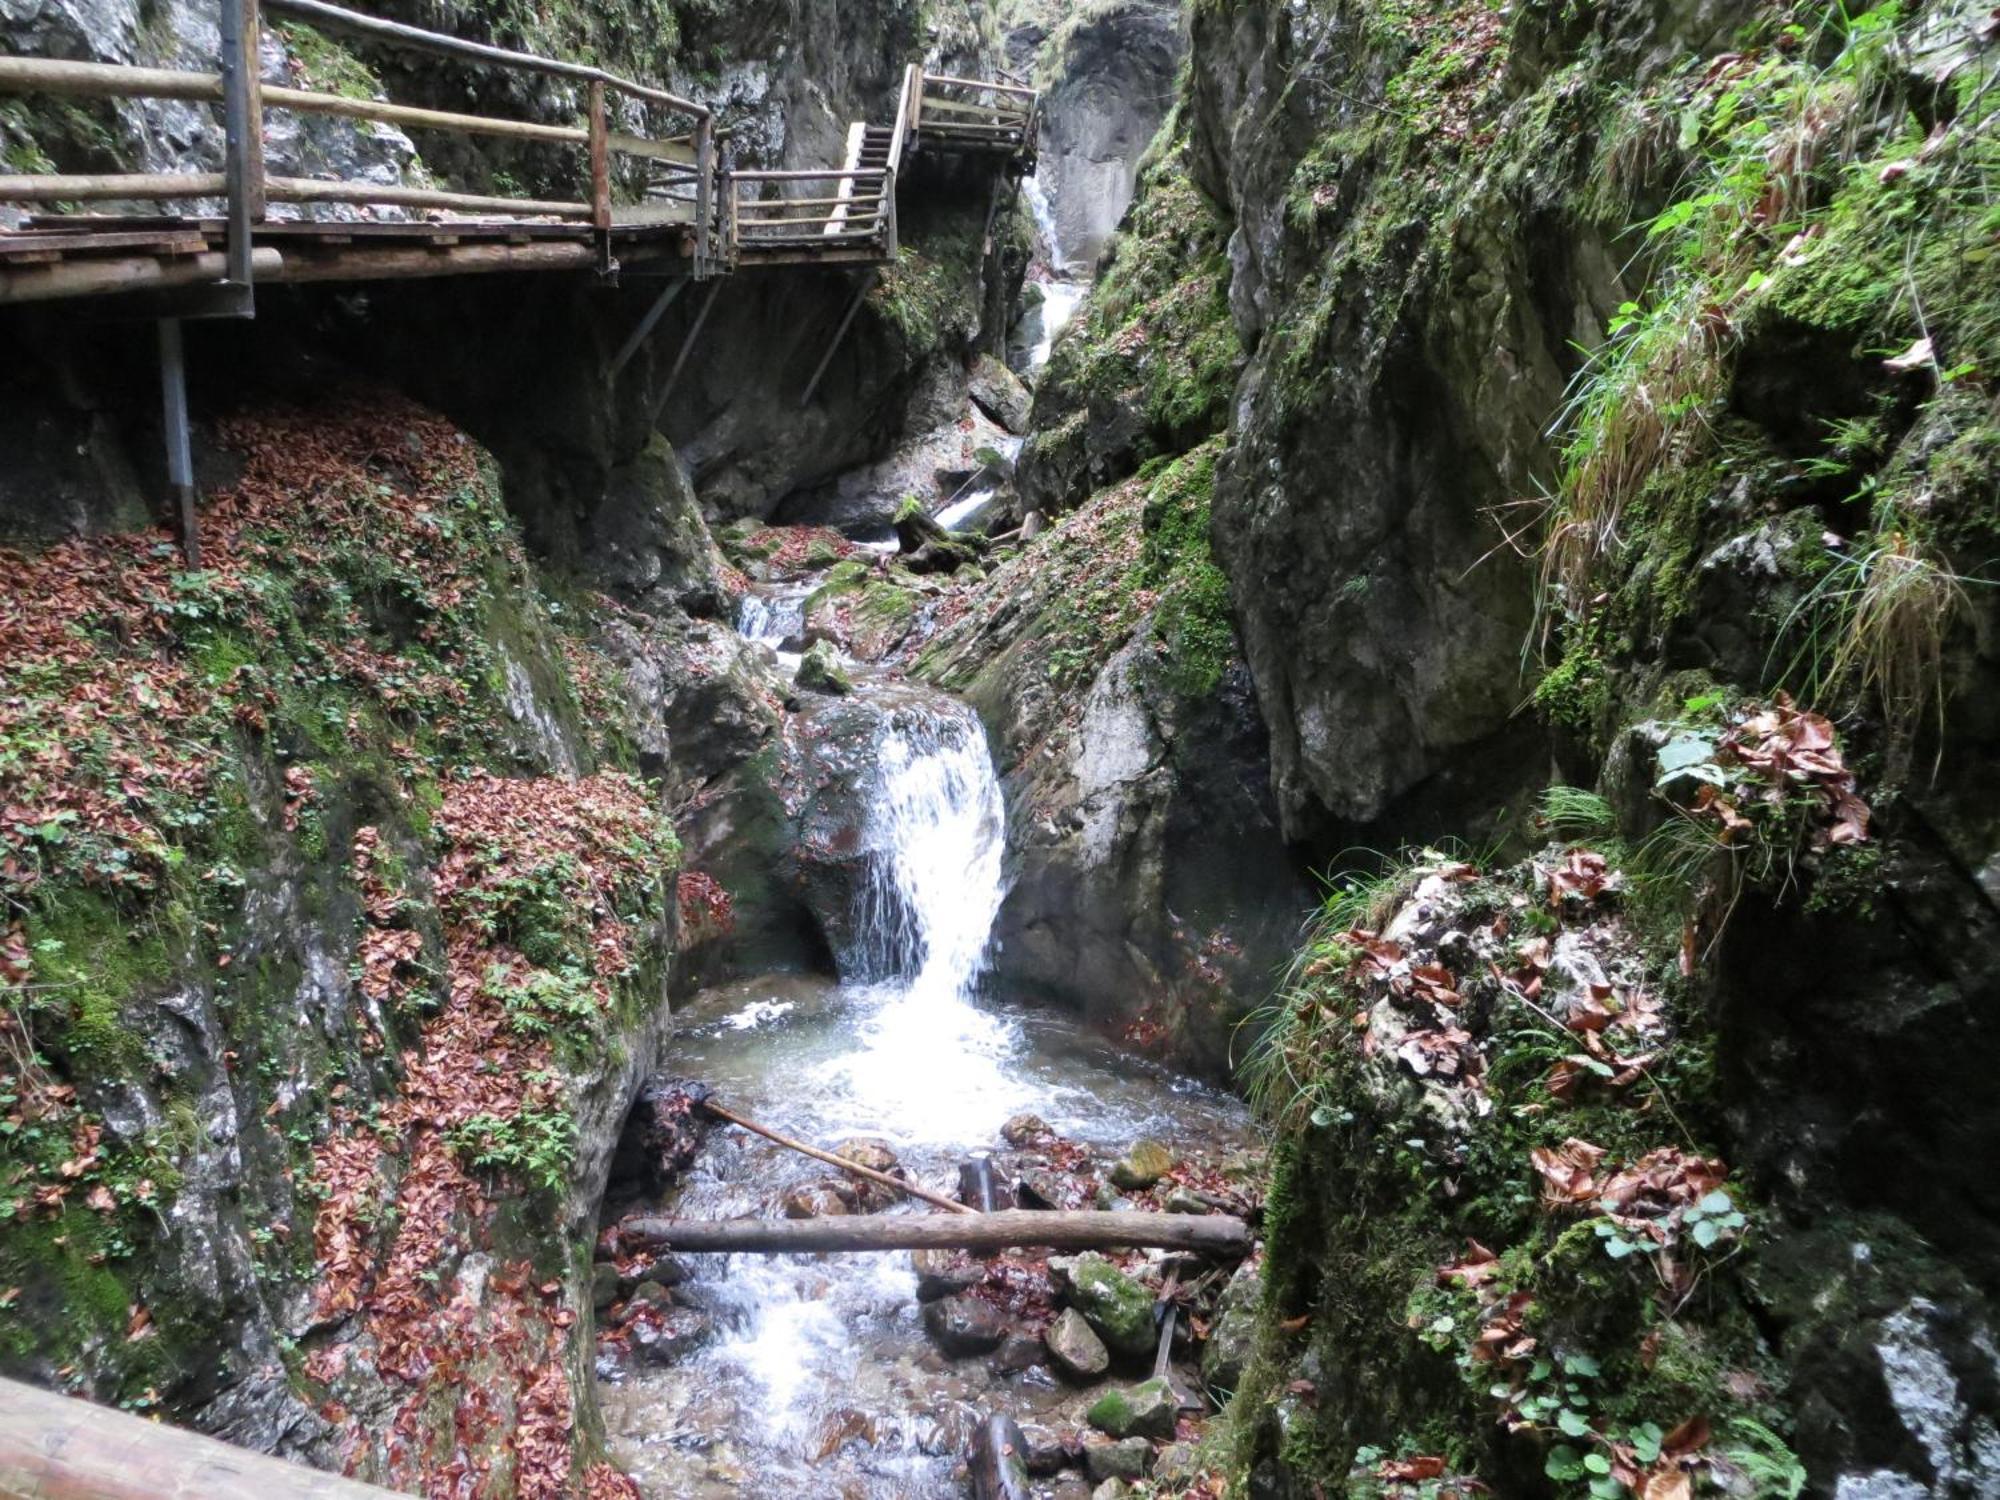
326 66
1192 617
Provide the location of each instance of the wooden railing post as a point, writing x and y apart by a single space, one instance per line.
889 215
600 159
243 134
704 194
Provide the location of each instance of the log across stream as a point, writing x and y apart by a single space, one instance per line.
1088 1229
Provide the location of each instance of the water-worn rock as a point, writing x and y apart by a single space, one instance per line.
1186 1201
1145 1164
1045 1450
941 1273
1125 1458
603 1285
1117 1307
814 1200
964 1325
1000 394
1025 1130
1233 1332
1075 1346
1143 1410
664 1336
820 670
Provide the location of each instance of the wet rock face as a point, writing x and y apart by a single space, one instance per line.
1111 73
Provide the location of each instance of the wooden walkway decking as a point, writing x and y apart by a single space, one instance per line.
656 193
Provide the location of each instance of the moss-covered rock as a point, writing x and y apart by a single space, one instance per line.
1119 1308
1145 1410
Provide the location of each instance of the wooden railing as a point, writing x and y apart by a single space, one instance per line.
680 169
975 114
854 209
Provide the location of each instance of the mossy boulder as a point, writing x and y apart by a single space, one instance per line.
1145 1164
1116 1306
820 671
1144 1410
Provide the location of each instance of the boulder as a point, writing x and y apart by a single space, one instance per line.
1183 1201
964 1325
1112 1489
1145 1164
1233 1331
1075 1347
603 1285
1144 1410
1117 1307
1017 1352
820 671
1000 393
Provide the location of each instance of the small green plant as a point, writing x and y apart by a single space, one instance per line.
1572 813
538 1143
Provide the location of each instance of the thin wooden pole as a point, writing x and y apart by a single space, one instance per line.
831 1160
646 325
237 132
1085 1229
687 348
847 318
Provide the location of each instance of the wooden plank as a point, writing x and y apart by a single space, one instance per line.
312 190
1087 1229
60 188
90 80
829 175
308 102
176 243
678 151
655 212
852 1168
58 1448
978 111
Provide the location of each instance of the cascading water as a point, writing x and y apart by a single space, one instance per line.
819 1378
1062 291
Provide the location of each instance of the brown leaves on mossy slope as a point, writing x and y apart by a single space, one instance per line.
563 868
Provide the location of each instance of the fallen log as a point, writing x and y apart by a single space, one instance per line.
831 1160
1085 1229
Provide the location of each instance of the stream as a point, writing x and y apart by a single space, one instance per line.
818 1377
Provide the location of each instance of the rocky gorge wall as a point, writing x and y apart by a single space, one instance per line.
1579 474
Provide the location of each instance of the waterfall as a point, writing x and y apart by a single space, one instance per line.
933 886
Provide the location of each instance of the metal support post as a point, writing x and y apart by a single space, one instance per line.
646 325
846 320
180 447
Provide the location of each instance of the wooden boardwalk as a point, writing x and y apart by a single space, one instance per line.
654 191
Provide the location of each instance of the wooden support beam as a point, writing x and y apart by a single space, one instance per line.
97 277
180 446
60 1448
600 158
687 348
1086 1229
360 262
846 321
638 335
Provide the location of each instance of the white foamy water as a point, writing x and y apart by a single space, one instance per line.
820 1380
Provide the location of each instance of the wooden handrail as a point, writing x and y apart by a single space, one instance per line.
58 1448
452 46
970 83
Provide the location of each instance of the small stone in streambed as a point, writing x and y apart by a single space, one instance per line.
1017 1352
1041 1188
943 1273
1145 1164
650 1294
1145 1410
820 671
668 1270
815 1200
1112 1489
1176 1461
1025 1130
965 1325
868 1151
1128 1458
1045 1450
671 1335
1075 1346
603 1285
1182 1201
